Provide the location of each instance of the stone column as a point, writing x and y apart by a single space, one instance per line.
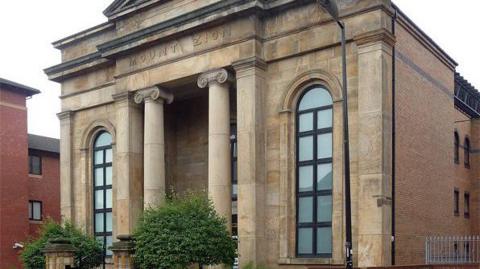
66 185
123 251
154 143
375 148
219 159
128 163
59 253
250 75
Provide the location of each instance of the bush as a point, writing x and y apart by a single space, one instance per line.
89 251
183 232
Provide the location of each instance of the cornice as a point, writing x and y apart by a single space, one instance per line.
209 15
249 63
380 35
65 115
153 33
70 40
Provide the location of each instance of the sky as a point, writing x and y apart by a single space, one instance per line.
28 27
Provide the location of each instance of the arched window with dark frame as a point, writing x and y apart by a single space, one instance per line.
102 190
466 152
456 153
314 170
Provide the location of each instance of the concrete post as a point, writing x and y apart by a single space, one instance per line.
219 159
154 143
123 251
59 253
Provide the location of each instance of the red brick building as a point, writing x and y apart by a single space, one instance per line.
29 174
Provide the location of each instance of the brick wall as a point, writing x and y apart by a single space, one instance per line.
425 172
46 188
13 176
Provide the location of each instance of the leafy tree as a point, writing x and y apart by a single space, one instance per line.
89 252
182 232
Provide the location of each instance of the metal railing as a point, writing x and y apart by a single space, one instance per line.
452 249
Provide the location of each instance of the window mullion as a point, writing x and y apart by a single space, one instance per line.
315 172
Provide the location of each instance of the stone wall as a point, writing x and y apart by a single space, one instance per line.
274 57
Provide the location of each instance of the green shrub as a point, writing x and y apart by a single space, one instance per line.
89 251
183 231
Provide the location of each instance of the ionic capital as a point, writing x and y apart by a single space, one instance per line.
219 76
153 94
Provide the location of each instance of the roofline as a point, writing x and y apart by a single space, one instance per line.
437 49
29 91
84 34
44 138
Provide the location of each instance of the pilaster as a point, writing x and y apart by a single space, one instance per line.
375 148
66 172
128 163
250 76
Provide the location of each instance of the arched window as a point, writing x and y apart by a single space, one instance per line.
314 173
102 190
457 148
467 152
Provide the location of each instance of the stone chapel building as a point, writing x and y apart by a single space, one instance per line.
243 98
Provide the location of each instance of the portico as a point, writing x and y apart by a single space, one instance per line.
173 81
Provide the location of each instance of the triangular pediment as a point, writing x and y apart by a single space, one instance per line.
120 5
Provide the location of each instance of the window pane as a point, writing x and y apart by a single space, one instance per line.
30 213
105 139
98 157
109 199
99 225
109 221
324 146
37 211
35 165
306 122
305 240
100 239
99 177
305 148
324 240
324 176
305 209
108 155
324 119
305 175
109 244
99 199
324 208
108 175
316 97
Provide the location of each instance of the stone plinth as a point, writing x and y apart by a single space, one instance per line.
59 253
123 251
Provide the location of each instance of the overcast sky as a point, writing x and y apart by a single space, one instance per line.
27 28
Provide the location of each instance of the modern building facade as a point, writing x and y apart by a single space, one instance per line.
243 98
29 175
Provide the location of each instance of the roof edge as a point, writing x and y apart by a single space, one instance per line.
435 48
29 91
